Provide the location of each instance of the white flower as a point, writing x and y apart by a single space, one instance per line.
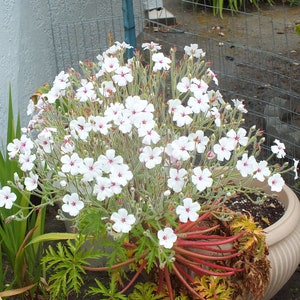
27 161
122 76
123 220
216 114
200 140
67 145
296 162
123 122
71 164
202 178
109 160
30 107
61 81
26 144
86 91
161 62
184 85
151 157
223 148
180 148
72 205
173 104
107 88
100 124
31 182
149 135
151 46
102 188
278 149
114 187
262 171
215 98
110 64
199 103
114 111
181 115
177 179
121 174
7 198
90 169
80 128
188 211
276 183
193 51
247 165
45 139
238 137
239 105
13 148
212 75
53 94
166 237
198 86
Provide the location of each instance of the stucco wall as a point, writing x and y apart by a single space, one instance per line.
40 37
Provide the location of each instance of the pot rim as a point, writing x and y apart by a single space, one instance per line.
288 222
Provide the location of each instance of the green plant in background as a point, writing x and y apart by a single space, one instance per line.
20 267
297 28
233 6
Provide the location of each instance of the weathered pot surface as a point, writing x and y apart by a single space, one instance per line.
283 239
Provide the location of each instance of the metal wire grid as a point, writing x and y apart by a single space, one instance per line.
82 29
262 73
74 42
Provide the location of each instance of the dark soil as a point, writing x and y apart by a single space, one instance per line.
265 213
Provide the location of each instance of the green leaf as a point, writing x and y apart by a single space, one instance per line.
53 236
145 291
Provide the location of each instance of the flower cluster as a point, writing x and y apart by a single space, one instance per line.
140 142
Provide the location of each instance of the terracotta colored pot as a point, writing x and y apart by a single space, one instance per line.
283 239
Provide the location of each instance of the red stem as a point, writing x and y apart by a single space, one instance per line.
181 278
184 273
218 250
186 226
202 237
199 270
196 244
203 256
168 282
210 264
138 272
160 280
197 232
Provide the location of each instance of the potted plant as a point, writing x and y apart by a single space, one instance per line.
142 155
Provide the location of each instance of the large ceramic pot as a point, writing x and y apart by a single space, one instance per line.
283 240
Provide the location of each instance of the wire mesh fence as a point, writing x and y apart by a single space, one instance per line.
255 54
83 29
78 41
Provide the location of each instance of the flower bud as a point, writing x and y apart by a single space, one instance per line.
167 193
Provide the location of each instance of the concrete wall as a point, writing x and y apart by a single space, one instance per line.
38 38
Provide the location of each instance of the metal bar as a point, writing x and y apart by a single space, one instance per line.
129 26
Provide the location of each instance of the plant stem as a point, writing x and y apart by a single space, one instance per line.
181 278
